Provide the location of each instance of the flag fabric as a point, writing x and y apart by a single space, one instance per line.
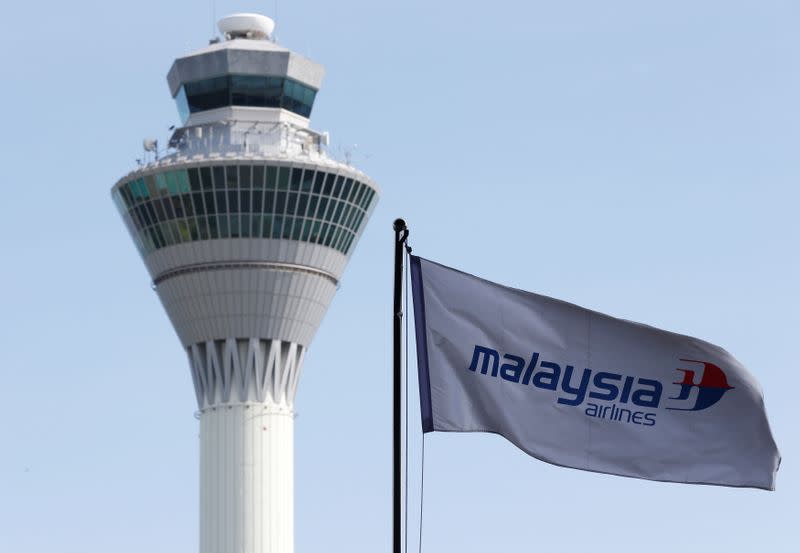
581 389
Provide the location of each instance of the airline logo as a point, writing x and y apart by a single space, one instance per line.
606 395
712 386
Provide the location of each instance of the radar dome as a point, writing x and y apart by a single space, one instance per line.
246 25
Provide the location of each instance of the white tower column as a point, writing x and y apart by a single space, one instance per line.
245 389
247 479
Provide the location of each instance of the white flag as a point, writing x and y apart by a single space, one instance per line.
580 389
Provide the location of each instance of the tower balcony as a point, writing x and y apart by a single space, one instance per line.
242 132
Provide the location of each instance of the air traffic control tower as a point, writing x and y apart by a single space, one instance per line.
245 225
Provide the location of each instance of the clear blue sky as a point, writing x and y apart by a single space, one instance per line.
636 158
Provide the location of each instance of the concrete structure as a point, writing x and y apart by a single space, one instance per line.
245 226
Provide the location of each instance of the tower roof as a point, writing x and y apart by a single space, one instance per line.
243 56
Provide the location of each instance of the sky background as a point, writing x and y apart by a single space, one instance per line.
636 158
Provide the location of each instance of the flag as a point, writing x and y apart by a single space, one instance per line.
580 389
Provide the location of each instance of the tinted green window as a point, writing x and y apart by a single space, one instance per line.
248 90
266 226
151 213
329 236
308 180
222 202
158 207
182 180
197 200
367 198
329 180
193 232
179 206
159 237
340 245
323 232
302 204
174 232
272 178
244 90
244 200
144 215
205 177
245 176
269 202
283 178
306 230
233 201
359 194
188 205
255 225
258 176
328 215
161 184
222 225
334 237
125 194
315 229
348 186
287 228
194 178
213 228
207 94
138 190
350 222
150 182
202 227
208 202
172 183
322 208
319 181
135 191
231 176
183 104
297 177
297 97
273 92
233 221
280 203
337 215
218 173
244 225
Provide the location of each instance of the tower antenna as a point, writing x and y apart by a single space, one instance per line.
274 39
213 18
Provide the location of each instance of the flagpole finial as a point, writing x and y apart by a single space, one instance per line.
399 224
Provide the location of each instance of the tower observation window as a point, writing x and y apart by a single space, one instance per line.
207 94
244 90
244 201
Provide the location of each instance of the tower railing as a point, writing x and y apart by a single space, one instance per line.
247 138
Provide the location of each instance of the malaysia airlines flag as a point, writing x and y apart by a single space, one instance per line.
580 389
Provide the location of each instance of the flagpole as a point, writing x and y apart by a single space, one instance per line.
400 236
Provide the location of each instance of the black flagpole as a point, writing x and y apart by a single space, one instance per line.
400 236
